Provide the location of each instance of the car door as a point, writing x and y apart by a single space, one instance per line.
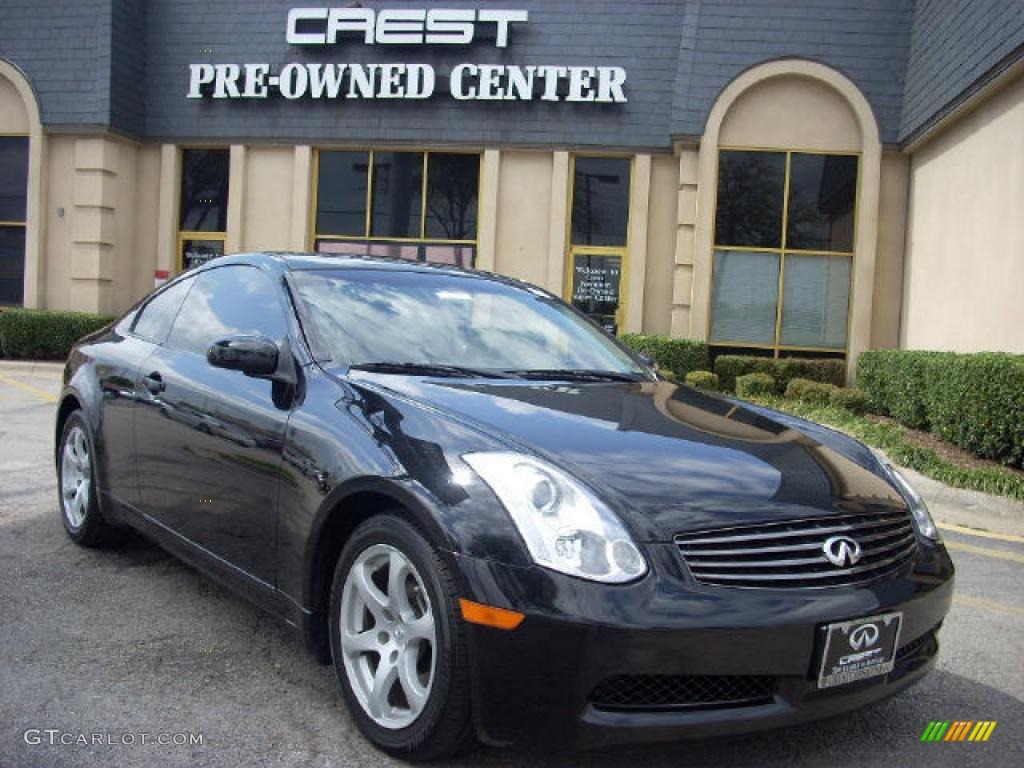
208 440
117 365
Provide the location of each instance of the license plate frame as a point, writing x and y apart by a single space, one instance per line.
859 649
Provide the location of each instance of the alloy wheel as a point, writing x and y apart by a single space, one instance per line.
75 477
388 637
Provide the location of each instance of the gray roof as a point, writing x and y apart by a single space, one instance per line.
123 65
954 45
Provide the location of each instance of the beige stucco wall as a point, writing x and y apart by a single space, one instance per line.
892 218
965 232
791 112
145 217
524 200
60 174
13 117
266 209
661 242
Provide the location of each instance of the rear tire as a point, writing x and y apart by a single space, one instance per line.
76 484
402 665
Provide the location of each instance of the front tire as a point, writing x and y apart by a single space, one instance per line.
397 642
76 484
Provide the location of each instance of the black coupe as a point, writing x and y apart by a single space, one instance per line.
491 517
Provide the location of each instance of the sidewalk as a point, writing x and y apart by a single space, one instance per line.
41 367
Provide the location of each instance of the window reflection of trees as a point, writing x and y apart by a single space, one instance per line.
452 184
750 193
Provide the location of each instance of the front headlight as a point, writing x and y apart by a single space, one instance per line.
919 510
564 526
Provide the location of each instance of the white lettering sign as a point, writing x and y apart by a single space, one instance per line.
405 26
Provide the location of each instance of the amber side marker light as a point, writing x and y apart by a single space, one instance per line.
489 616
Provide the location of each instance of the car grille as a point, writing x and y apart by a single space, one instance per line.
790 554
662 692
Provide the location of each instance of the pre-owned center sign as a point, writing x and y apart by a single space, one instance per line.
402 80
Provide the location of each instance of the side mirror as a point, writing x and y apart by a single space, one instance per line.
252 355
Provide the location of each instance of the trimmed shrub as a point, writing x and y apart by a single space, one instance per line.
755 385
667 375
975 401
795 388
680 356
816 392
702 379
731 367
31 334
850 398
783 370
895 382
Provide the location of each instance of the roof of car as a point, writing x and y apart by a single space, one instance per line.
293 261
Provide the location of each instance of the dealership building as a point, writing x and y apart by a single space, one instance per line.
777 177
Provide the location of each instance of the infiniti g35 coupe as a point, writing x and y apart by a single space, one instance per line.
492 518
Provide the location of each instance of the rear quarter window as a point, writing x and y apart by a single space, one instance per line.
153 321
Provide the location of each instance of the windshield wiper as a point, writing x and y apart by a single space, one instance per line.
575 374
426 369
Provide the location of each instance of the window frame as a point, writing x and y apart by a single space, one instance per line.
315 237
573 250
778 348
191 234
23 225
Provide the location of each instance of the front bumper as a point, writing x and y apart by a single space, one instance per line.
536 685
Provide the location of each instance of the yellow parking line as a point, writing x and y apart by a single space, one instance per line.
999 554
981 534
42 394
991 605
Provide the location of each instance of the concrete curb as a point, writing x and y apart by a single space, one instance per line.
31 366
971 509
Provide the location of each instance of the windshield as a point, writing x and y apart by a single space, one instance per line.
366 317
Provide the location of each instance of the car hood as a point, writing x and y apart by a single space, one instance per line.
667 458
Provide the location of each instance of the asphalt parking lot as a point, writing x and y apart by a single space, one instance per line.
129 641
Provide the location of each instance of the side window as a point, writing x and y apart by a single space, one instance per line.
154 319
228 301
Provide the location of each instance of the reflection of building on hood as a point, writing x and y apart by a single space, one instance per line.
685 413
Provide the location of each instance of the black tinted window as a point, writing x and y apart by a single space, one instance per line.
822 189
204 189
750 194
452 183
155 318
226 302
397 194
600 201
341 195
13 177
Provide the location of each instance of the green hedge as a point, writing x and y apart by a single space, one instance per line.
30 334
680 356
850 398
755 385
783 370
894 382
702 379
975 401
810 391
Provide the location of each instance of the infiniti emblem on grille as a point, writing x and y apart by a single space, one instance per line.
864 636
841 551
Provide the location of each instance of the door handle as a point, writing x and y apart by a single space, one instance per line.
154 382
